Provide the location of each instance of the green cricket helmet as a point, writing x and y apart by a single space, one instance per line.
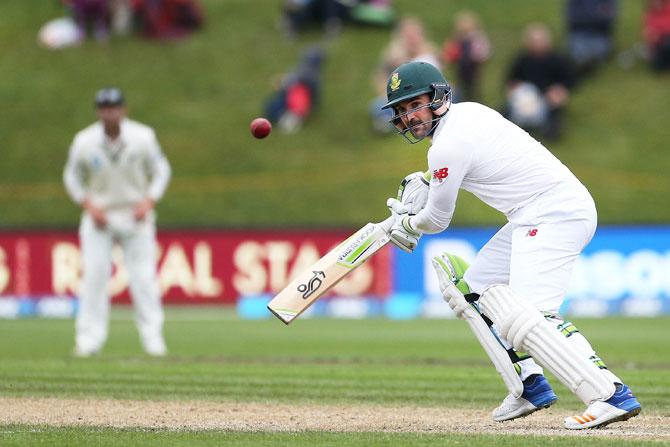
415 79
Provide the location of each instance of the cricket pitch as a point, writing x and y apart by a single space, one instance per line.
270 417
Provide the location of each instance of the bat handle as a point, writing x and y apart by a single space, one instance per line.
387 223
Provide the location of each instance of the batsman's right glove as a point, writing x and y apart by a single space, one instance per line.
413 192
412 198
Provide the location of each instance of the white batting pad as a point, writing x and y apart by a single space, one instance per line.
525 327
494 349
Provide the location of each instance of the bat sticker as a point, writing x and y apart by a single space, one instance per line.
312 285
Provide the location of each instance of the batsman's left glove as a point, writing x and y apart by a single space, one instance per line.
402 234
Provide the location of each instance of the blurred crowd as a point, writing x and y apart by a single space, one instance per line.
295 93
100 19
538 81
539 78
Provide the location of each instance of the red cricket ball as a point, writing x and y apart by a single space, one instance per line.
260 128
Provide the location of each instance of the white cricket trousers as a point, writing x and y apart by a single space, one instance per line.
535 258
140 257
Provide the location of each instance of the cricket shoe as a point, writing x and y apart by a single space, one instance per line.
155 347
537 394
621 406
80 352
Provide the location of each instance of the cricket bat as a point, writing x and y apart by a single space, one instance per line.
314 282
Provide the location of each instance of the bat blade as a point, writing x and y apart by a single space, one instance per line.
314 282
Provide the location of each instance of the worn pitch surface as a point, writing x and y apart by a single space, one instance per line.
205 415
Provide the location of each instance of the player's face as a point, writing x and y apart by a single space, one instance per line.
111 115
416 116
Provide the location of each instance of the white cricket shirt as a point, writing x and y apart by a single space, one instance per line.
476 149
116 175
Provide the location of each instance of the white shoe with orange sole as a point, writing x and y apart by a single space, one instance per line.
622 406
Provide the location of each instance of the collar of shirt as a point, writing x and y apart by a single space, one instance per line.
113 147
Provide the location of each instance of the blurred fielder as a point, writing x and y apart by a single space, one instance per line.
511 294
116 171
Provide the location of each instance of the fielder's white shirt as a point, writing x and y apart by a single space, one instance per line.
476 149
116 175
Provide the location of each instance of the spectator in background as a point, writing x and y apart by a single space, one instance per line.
408 44
538 84
373 12
590 26
91 16
168 19
297 93
657 33
468 49
116 171
300 14
159 19
121 20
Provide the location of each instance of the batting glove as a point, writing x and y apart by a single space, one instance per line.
402 234
413 192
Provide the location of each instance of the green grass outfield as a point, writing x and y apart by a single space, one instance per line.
19 436
215 357
200 94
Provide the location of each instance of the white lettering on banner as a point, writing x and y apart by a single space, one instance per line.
602 275
250 278
610 275
647 273
205 283
175 271
604 268
305 258
642 307
65 268
5 275
278 254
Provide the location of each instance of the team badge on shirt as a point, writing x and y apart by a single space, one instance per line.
395 82
441 174
96 163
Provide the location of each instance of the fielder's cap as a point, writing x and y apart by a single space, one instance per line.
109 97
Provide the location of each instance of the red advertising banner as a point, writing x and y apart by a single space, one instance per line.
193 266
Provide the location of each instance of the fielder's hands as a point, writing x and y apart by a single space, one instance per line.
142 208
98 214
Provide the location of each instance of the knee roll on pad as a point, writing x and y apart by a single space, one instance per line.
521 324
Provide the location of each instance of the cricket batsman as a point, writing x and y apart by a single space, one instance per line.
515 286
